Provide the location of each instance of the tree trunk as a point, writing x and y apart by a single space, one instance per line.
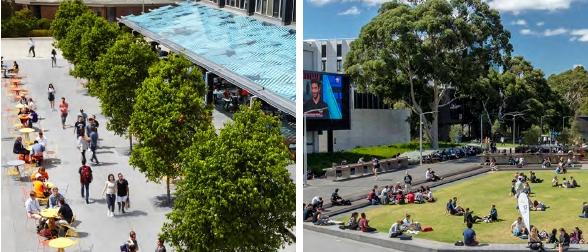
435 131
168 192
130 143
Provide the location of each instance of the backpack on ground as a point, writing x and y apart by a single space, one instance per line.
86 174
35 117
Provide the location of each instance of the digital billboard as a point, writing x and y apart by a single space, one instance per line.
326 101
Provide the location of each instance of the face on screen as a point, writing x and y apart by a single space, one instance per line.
316 91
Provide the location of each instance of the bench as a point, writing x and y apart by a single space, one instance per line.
342 172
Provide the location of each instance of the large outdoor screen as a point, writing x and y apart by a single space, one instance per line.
326 101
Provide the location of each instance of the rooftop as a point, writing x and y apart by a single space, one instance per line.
253 54
100 2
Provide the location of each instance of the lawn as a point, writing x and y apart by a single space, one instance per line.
319 161
479 194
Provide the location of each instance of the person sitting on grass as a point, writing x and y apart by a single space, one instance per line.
410 197
364 224
538 206
409 224
373 198
573 182
458 208
576 236
493 166
493 215
535 243
419 198
469 217
526 188
396 229
566 183
399 198
352 224
534 179
469 236
320 218
429 195
584 210
518 228
555 182
384 195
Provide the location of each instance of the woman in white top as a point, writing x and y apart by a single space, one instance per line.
31 105
110 190
42 139
83 147
51 91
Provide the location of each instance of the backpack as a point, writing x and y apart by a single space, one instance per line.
35 117
86 174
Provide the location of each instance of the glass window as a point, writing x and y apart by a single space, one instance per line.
339 65
338 50
264 7
324 66
258 6
324 51
277 5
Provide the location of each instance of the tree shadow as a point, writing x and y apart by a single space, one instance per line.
8 139
133 213
106 147
104 152
161 201
51 162
105 164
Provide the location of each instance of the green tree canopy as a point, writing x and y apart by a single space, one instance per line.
67 12
419 53
169 109
18 25
72 41
237 194
120 72
572 85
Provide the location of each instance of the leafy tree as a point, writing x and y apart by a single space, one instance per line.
94 42
7 10
120 72
422 53
19 25
67 12
71 43
532 135
236 194
572 85
169 109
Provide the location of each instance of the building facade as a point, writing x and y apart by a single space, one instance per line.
372 121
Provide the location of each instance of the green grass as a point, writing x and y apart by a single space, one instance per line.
318 161
479 194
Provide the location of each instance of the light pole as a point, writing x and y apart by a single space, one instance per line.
514 118
421 134
481 131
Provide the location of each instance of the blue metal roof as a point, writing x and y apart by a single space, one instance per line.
253 50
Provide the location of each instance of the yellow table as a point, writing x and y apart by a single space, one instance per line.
61 243
26 132
49 213
49 185
19 106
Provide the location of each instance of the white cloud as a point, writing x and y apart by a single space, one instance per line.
554 32
351 11
580 35
520 22
540 23
320 2
527 32
516 6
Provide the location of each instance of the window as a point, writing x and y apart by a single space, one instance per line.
338 50
368 101
324 51
276 12
339 65
324 66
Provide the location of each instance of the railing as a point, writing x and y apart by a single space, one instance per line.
340 172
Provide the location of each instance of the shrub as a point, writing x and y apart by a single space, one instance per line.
40 33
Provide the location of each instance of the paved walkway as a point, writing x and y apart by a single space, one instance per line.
324 187
97 231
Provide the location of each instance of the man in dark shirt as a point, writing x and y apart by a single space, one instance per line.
79 127
94 145
65 212
19 147
469 236
584 211
122 193
315 107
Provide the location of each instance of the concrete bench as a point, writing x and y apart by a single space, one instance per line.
349 171
530 158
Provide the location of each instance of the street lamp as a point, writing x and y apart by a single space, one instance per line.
514 118
421 133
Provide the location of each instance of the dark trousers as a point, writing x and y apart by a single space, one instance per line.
87 194
94 158
110 201
84 156
32 49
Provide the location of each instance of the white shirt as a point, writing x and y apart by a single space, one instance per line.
110 187
428 174
42 141
315 200
82 144
384 191
32 206
31 42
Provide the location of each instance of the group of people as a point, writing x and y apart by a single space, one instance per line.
397 194
361 224
565 183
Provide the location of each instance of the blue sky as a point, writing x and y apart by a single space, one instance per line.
552 34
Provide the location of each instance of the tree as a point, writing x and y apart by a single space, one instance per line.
67 12
120 71
236 194
422 53
72 41
94 41
169 109
532 135
19 25
572 85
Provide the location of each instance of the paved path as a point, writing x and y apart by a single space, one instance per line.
324 187
97 231
318 242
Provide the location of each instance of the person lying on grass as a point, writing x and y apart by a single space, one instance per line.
555 182
538 206
584 210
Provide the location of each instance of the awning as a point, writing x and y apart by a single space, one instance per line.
252 54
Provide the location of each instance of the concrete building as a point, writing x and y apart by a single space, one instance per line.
372 121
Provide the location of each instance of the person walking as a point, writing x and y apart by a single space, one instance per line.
51 93
94 145
83 147
85 180
31 47
63 108
53 58
80 127
160 245
110 191
122 192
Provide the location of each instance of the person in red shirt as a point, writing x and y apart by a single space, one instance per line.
364 224
410 197
63 108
